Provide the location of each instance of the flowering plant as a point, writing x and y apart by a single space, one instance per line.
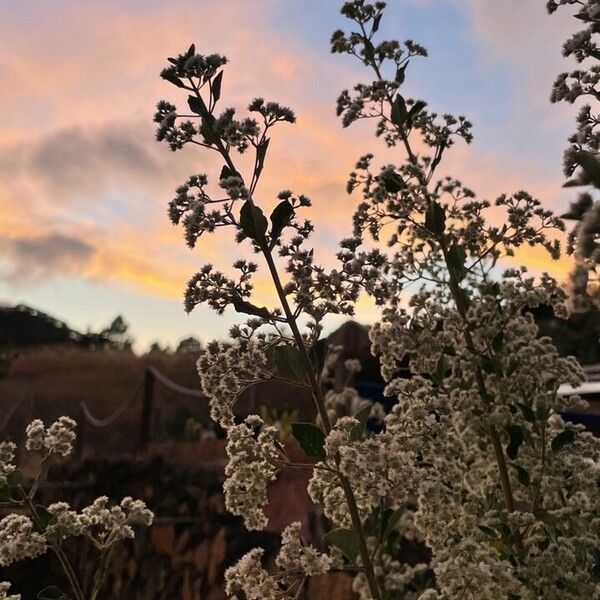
34 529
474 460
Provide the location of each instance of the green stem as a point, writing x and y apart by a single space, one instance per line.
317 394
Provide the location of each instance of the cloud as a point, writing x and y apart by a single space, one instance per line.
34 259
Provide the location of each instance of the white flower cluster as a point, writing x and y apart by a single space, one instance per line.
253 454
295 562
448 460
7 460
104 525
226 371
4 587
56 439
19 540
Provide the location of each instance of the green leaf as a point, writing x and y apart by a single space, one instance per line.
456 261
376 22
318 353
441 369
497 342
243 306
515 433
4 493
207 129
43 519
216 86
173 79
361 416
401 74
487 530
416 108
280 218
346 540
15 478
435 218
369 50
288 362
527 411
562 439
544 516
522 474
311 439
261 153
52 593
253 222
392 182
399 113
390 520
195 105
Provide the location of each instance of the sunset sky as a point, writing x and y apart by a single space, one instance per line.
84 187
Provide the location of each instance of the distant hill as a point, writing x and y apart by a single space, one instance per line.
22 326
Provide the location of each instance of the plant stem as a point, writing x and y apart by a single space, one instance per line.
480 380
69 572
317 394
315 384
58 551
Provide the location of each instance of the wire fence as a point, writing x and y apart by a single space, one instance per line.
143 394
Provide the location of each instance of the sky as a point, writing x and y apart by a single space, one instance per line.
84 186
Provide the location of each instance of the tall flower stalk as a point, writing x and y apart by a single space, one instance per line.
474 460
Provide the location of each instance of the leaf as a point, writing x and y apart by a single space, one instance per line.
253 222
172 79
280 218
318 353
311 439
15 478
515 433
416 108
361 416
52 593
522 474
376 22
392 182
346 540
4 493
527 411
288 362
441 369
401 74
497 341
243 306
562 439
435 218
390 520
226 172
487 530
544 516
191 51
44 518
207 129
261 153
195 105
369 50
456 259
399 112
216 86
464 298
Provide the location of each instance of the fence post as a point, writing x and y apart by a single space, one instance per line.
146 416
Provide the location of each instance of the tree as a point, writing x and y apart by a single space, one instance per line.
505 490
189 344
